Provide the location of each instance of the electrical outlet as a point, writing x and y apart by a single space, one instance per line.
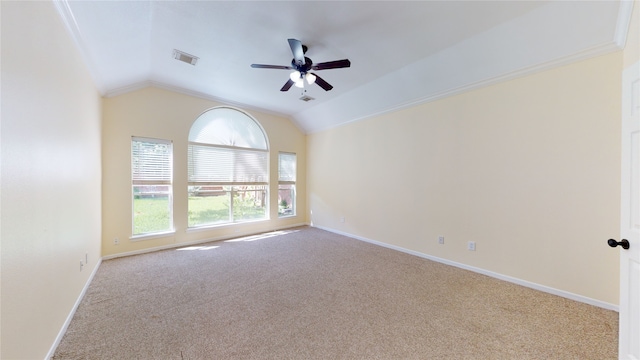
116 241
440 239
342 219
471 246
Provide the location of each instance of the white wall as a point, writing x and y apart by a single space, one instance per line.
50 189
529 169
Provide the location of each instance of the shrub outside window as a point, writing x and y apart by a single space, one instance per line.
151 176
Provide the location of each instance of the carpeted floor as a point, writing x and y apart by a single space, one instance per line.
310 294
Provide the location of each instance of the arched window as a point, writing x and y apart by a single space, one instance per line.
228 168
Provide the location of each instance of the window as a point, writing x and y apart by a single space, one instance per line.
151 175
227 169
286 184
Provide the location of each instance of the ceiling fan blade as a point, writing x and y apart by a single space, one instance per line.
323 84
297 51
344 63
287 85
261 66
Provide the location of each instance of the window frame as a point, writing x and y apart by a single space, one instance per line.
231 186
287 181
161 180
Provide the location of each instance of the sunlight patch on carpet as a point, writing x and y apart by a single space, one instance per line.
263 236
198 248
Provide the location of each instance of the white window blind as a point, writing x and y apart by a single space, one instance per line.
286 184
287 167
151 161
151 176
226 165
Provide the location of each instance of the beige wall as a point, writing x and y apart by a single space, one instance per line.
529 169
50 178
158 113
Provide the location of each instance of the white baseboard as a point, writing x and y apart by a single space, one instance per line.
525 283
197 242
65 326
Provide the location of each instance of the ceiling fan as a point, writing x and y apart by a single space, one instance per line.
302 66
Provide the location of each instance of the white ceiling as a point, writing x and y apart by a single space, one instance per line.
401 53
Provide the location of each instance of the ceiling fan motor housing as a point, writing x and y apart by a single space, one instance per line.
303 68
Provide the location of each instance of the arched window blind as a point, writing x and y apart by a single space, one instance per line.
228 127
227 146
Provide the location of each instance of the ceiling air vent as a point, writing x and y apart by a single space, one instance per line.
306 98
184 57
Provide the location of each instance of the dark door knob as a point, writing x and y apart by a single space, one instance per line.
624 243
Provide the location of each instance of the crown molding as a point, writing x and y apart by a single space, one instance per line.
196 94
625 13
592 52
62 6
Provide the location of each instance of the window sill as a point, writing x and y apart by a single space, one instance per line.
157 235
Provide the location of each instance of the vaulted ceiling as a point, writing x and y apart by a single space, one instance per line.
401 53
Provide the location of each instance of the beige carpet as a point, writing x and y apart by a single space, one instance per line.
312 294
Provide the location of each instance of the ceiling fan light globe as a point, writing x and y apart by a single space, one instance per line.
310 78
299 83
295 76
